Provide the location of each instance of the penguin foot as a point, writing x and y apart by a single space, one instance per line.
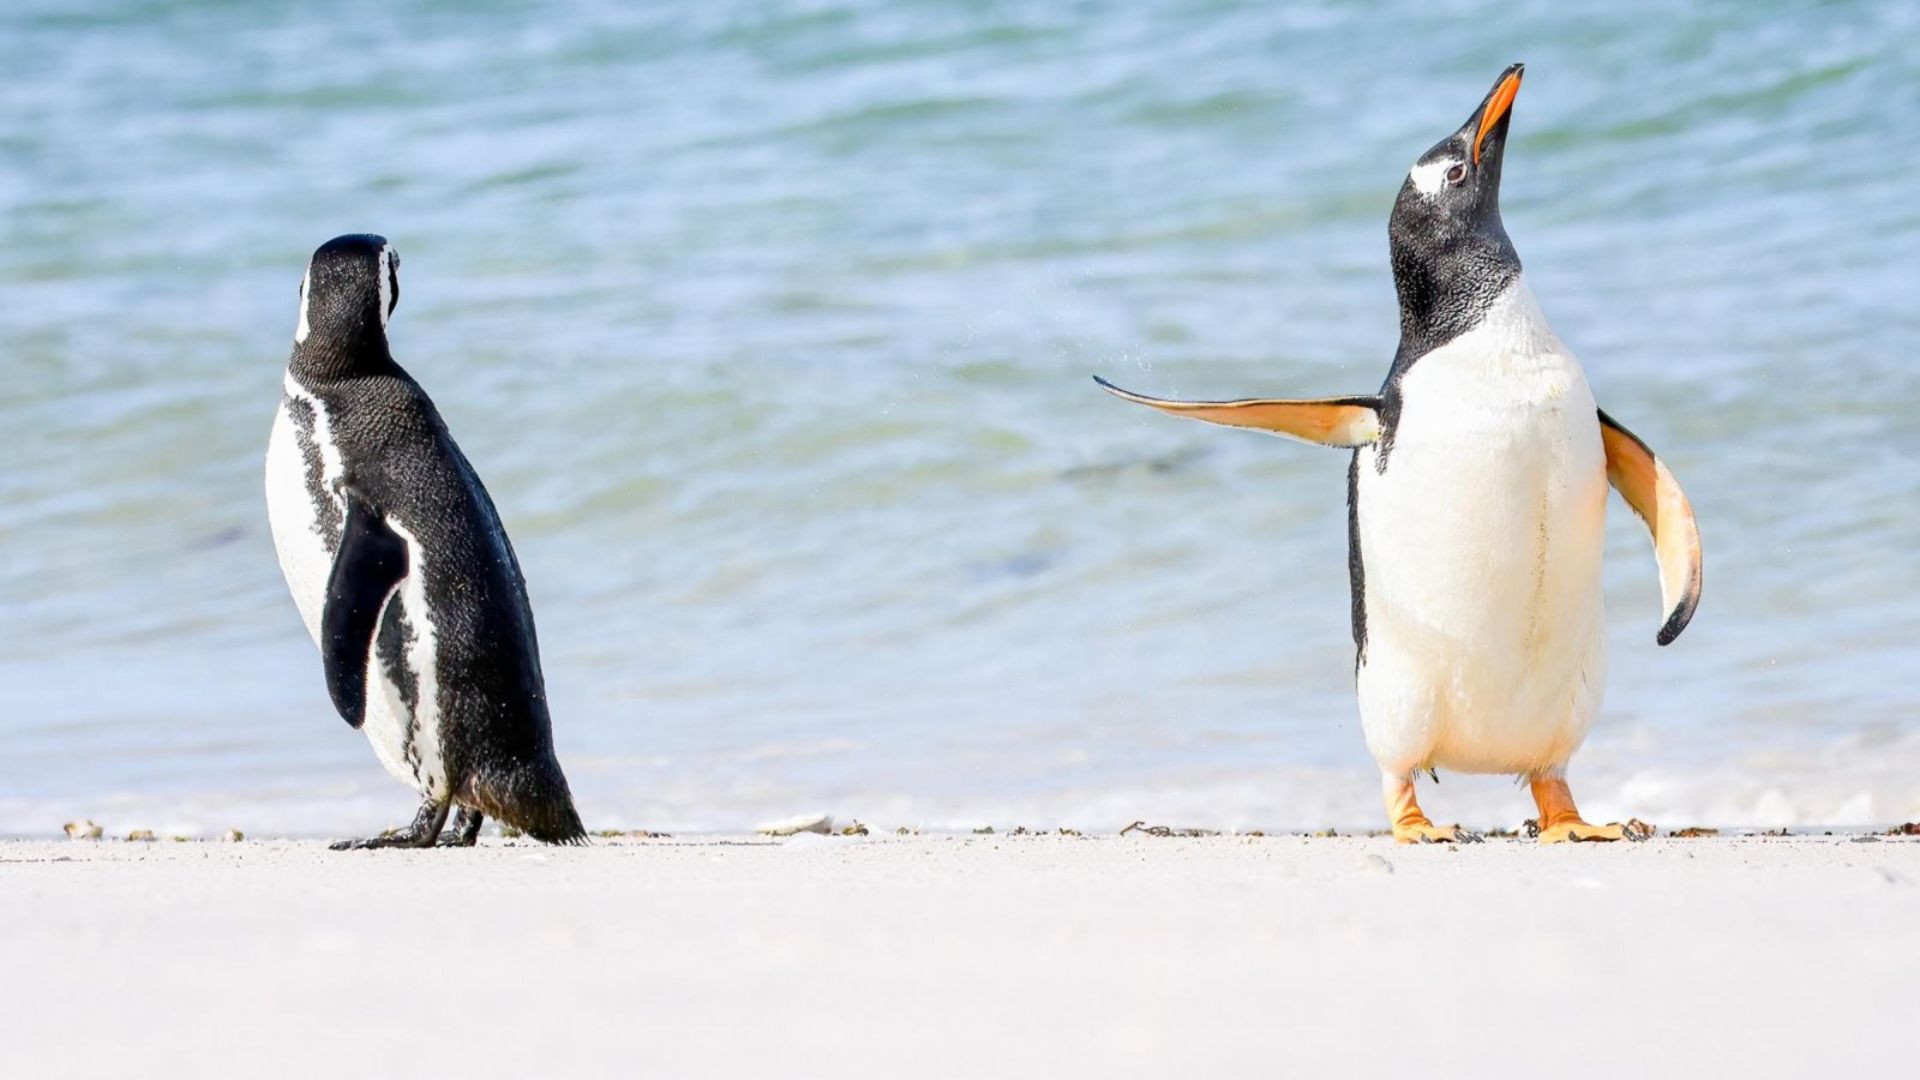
1560 821
1577 831
465 831
1410 824
424 831
390 838
1428 833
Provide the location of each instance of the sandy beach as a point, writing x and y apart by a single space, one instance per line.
960 956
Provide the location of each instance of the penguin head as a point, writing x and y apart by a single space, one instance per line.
351 287
1454 189
1448 241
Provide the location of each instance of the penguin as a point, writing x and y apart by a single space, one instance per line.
402 572
1476 502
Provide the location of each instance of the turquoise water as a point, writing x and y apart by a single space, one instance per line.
770 327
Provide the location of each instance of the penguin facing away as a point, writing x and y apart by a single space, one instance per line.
1476 502
402 572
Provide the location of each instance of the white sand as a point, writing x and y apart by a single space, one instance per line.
933 957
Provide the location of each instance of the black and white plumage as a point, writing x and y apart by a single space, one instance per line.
402 572
1476 503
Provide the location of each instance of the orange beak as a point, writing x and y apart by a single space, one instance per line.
1497 107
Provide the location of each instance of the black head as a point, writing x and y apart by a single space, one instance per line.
1451 255
351 287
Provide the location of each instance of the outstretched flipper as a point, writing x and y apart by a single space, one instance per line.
371 562
1345 422
1643 480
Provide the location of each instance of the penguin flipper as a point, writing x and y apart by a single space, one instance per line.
1643 480
371 562
1345 422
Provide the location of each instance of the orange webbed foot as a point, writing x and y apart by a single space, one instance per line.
1426 832
1581 832
1410 824
1560 821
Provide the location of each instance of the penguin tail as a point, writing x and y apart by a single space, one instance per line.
534 800
555 825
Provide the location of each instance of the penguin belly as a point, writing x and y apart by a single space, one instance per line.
306 517
1481 544
303 514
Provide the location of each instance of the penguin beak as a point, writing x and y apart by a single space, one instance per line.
1494 111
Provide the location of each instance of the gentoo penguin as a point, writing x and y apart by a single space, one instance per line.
402 571
1476 500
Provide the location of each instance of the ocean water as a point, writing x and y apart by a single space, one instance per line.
770 327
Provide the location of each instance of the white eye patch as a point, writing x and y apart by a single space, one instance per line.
1431 176
300 332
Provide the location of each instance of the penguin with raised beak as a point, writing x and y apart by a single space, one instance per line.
1476 505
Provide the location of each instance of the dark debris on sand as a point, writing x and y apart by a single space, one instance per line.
1165 830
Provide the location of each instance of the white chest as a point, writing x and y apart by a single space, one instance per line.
303 511
1481 543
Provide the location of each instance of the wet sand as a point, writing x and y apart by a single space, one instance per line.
960 956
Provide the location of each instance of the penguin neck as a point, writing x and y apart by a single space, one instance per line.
325 357
1447 284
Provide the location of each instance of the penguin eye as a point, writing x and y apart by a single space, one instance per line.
1457 175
